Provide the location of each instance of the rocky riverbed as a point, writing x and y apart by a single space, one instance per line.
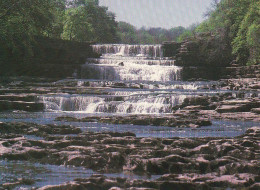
125 126
181 162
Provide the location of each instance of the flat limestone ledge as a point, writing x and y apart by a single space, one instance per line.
233 108
47 70
256 110
241 72
174 120
182 163
220 107
235 116
216 73
166 182
6 105
249 84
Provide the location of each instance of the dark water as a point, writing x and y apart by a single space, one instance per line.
44 175
219 128
126 80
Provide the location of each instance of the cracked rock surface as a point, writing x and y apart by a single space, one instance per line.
182 162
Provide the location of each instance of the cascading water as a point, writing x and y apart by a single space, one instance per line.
133 79
131 63
144 103
154 51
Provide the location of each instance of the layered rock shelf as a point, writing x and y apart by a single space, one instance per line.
203 58
180 162
134 121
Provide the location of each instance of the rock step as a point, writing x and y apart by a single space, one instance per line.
15 97
24 91
6 105
238 106
256 110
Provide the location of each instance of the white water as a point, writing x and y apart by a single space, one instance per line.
131 72
144 76
131 63
129 50
144 104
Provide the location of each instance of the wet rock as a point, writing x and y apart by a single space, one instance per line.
116 161
141 122
125 134
6 105
15 128
180 119
255 186
203 122
184 162
248 143
253 132
66 118
57 129
238 105
121 64
199 100
20 181
256 110
231 108
156 168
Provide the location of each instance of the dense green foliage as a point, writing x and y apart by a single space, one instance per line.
21 21
236 24
89 22
128 34
246 44
232 26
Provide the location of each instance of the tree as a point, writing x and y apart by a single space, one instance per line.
246 44
184 35
126 33
77 26
20 22
86 21
56 28
236 24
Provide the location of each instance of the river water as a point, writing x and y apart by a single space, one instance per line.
129 80
135 79
140 81
126 80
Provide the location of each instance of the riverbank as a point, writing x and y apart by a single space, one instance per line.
201 59
50 58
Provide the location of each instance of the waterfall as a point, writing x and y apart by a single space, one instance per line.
154 51
128 79
130 63
135 104
131 72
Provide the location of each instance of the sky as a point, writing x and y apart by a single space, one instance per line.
158 13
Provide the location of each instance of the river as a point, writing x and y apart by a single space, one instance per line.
127 80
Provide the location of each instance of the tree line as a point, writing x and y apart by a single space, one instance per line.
76 20
21 21
234 22
129 34
236 26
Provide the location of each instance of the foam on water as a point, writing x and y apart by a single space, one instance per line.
130 63
119 65
140 103
129 50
